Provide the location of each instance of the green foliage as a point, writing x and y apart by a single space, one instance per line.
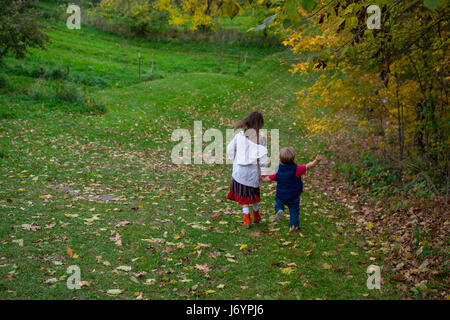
6 114
308 5
371 173
432 4
3 81
56 73
19 28
40 91
68 93
151 76
396 73
46 70
139 16
89 80
64 95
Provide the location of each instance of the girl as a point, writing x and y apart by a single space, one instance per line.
249 154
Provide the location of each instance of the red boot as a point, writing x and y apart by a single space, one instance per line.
256 216
247 220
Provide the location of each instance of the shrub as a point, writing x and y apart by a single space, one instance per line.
151 76
38 72
3 81
6 114
91 107
74 100
20 28
92 81
139 17
56 73
39 91
64 96
67 92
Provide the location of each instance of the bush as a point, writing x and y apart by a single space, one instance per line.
67 92
371 173
66 96
38 72
151 76
6 114
56 73
92 81
39 91
20 28
74 100
91 107
138 17
3 81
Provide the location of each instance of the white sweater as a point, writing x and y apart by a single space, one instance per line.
245 155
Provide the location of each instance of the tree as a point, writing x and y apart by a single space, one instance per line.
200 13
397 74
19 28
140 16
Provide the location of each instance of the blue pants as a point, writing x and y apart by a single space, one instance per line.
294 209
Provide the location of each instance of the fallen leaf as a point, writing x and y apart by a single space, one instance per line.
118 239
114 291
19 242
124 268
287 270
71 253
326 266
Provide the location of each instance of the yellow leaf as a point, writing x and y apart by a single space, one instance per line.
369 226
210 291
71 253
284 283
287 270
243 246
326 266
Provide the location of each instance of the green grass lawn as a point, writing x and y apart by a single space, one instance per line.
57 168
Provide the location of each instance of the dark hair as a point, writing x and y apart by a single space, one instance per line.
254 120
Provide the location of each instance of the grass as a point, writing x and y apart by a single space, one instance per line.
57 169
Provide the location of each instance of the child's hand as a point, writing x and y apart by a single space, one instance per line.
264 178
315 162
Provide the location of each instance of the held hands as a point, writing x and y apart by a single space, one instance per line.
264 178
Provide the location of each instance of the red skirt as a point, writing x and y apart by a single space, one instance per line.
243 194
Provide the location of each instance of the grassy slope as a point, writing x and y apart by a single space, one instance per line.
126 153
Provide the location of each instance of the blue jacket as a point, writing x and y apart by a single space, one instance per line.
289 186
